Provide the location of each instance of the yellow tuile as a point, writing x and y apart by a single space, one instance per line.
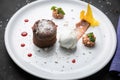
89 16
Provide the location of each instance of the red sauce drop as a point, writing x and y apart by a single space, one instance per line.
26 20
29 55
22 45
24 34
73 61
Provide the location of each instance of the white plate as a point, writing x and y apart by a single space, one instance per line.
56 63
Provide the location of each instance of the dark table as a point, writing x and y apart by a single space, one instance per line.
10 71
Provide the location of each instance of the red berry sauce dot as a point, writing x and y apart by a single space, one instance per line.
73 61
29 54
22 45
26 20
24 34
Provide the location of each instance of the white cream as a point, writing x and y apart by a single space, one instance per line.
68 38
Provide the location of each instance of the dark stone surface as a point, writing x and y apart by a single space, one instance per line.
10 71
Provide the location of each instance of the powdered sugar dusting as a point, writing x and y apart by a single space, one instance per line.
44 26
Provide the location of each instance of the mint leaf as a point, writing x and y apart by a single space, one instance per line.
61 11
91 36
92 39
53 7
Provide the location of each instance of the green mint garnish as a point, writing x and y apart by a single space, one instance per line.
91 36
53 7
60 10
92 39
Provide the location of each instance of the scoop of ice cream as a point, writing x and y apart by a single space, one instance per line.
68 38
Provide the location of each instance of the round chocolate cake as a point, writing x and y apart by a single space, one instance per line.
44 33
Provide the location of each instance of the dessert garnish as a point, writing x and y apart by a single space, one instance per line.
26 20
73 61
89 40
57 13
91 36
22 44
86 21
81 28
24 34
89 16
29 54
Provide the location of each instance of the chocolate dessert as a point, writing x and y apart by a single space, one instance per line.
44 33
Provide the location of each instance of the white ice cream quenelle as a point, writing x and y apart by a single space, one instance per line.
68 38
